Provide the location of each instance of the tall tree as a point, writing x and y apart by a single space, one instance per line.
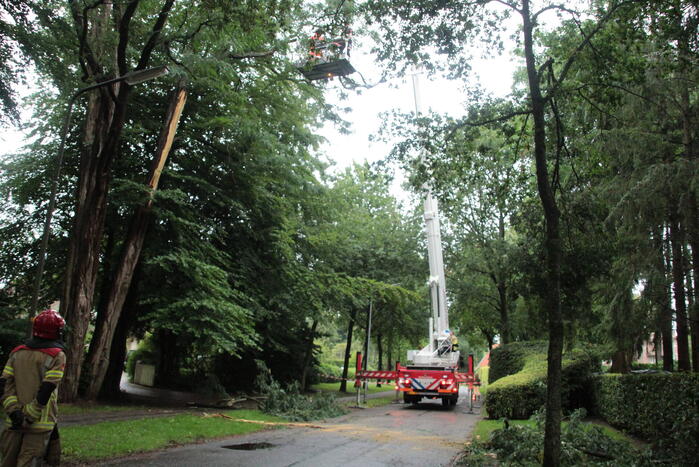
100 346
633 86
106 48
411 30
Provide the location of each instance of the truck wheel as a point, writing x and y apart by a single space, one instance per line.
454 401
445 402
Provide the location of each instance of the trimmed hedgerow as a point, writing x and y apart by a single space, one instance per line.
662 408
509 359
519 395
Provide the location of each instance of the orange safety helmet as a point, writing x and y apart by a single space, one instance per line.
48 325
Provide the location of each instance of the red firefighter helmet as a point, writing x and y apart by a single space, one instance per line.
48 325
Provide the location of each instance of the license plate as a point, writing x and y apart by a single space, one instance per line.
424 382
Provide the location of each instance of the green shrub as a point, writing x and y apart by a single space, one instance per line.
662 408
577 373
329 373
581 444
519 395
288 402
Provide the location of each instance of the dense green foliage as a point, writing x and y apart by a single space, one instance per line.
521 390
661 408
582 444
288 402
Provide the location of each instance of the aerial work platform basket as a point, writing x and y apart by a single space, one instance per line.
328 58
325 70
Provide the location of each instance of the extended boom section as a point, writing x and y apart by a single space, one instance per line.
433 371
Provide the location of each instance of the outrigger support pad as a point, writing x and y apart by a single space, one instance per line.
326 70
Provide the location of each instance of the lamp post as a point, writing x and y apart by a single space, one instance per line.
130 78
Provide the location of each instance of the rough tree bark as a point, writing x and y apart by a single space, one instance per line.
105 281
131 252
84 255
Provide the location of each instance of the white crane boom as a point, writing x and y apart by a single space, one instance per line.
439 322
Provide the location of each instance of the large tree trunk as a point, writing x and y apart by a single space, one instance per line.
106 280
348 350
677 241
490 339
309 354
693 228
86 237
167 370
660 292
552 437
622 311
104 124
111 387
691 309
131 252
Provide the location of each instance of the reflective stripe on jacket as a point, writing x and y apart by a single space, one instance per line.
24 372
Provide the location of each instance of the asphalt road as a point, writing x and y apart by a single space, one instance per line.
392 435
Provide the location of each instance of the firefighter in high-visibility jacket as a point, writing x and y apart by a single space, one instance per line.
30 380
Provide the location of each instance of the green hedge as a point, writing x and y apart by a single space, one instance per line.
509 359
519 395
662 408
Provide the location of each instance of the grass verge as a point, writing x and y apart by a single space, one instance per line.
114 439
85 409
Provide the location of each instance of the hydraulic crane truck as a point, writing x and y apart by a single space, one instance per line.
432 372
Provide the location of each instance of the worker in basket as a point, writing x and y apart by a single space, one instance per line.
453 341
316 46
323 50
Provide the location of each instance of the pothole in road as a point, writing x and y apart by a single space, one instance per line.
249 446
